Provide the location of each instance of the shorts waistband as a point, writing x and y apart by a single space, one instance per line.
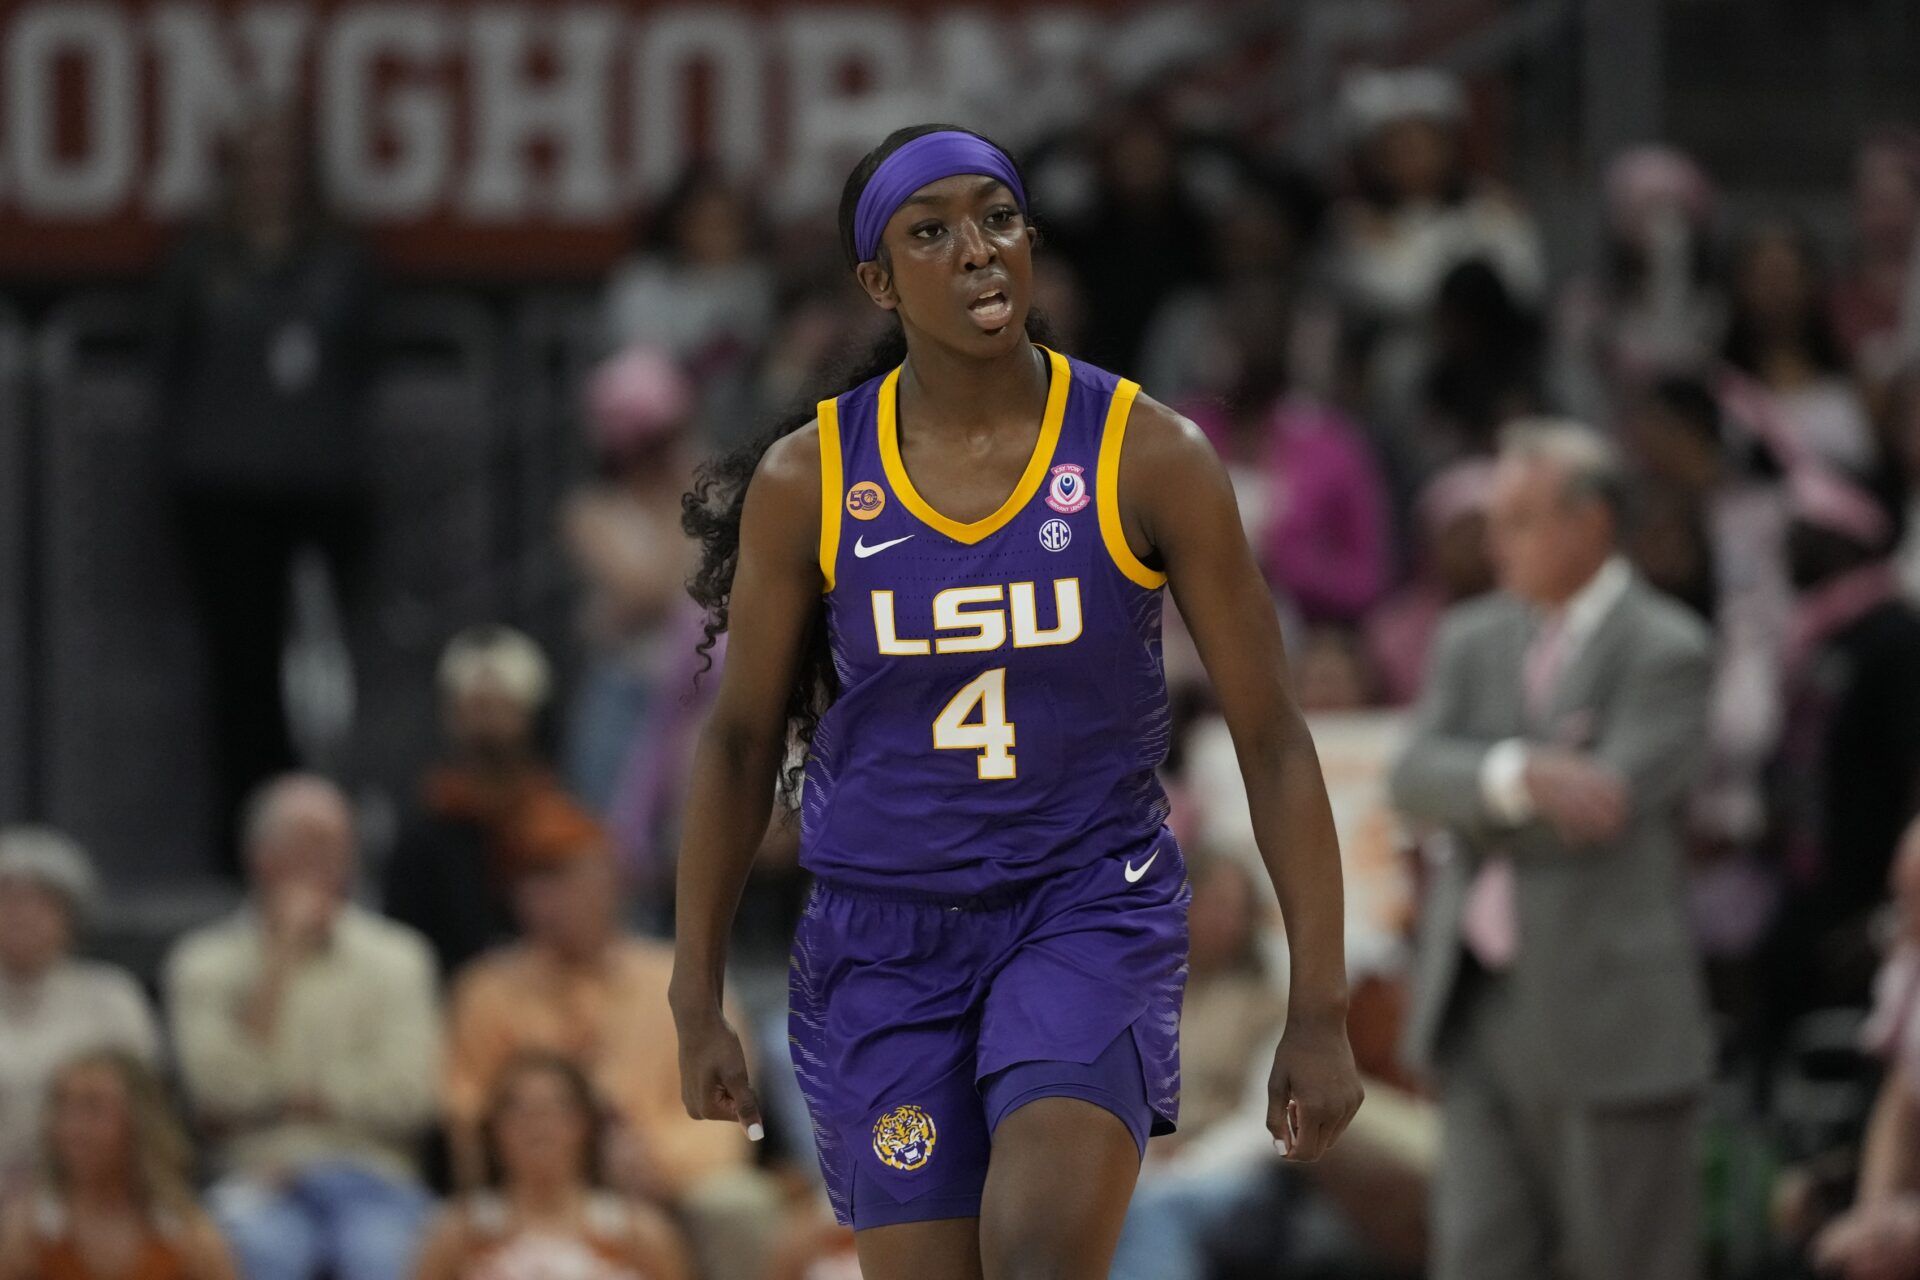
994 901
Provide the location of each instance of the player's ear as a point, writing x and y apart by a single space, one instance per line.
878 282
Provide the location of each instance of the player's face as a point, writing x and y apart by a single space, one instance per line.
959 265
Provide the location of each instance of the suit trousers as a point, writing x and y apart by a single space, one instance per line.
1531 1185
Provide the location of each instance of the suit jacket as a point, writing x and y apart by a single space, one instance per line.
1605 970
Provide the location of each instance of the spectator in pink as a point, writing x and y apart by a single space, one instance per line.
1312 497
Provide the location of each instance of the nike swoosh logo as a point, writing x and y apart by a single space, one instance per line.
1133 876
862 550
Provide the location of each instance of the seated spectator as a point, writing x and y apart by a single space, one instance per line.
1451 566
1654 305
621 530
1869 300
1214 1188
1781 336
113 1201
547 1212
1484 369
579 987
52 1006
1846 777
454 858
1310 494
1879 1238
307 1035
700 286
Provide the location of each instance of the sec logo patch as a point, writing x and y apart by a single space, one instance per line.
1067 489
1055 535
865 500
903 1138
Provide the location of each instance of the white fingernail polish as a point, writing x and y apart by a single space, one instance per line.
1280 1145
755 1132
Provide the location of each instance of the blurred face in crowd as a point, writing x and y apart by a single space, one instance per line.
1220 918
569 907
1886 199
956 262
90 1125
36 928
1776 281
304 845
1415 157
1138 158
1671 448
1546 542
541 1137
487 719
1460 559
712 227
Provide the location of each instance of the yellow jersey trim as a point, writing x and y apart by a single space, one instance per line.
830 495
1030 479
1107 490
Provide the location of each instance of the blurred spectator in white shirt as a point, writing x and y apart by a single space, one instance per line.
308 1039
1416 212
52 1006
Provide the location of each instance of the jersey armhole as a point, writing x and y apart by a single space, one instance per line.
1107 490
830 485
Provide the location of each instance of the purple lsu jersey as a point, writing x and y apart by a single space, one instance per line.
1002 708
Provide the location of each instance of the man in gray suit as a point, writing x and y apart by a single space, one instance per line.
1557 1001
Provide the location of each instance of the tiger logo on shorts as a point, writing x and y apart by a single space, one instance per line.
903 1138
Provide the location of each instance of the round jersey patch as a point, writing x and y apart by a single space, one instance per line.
903 1138
1055 535
865 500
1067 490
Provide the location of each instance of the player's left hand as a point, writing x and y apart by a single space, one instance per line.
1314 1089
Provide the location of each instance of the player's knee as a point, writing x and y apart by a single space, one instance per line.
1035 1258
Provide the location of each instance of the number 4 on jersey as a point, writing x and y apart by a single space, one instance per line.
992 737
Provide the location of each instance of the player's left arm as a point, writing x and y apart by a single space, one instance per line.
1177 506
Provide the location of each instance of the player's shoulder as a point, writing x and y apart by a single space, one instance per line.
1160 435
793 458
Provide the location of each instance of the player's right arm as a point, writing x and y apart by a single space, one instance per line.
776 589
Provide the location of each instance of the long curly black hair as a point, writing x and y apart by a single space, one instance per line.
710 511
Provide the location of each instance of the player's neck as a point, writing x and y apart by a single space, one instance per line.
944 392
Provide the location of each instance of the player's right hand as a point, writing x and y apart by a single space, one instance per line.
713 1075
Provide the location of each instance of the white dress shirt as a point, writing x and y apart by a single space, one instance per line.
1503 770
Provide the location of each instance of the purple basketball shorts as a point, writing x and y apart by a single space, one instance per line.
917 1023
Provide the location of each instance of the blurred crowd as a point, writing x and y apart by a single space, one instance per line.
449 1056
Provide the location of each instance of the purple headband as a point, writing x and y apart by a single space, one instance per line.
928 158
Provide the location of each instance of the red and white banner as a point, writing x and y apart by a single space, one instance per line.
519 136
512 136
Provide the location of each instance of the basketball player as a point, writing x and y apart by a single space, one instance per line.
947 583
